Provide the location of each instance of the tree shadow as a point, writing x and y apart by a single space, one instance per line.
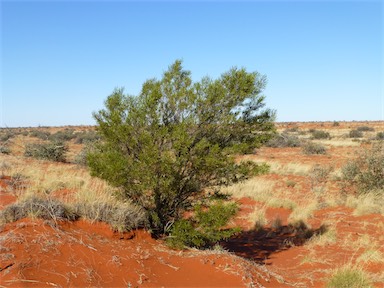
258 244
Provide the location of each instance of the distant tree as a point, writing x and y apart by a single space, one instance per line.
164 146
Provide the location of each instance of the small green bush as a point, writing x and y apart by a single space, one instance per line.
365 128
380 136
355 134
62 135
314 148
348 277
5 136
319 134
366 172
43 135
205 228
5 149
86 137
53 151
284 140
336 123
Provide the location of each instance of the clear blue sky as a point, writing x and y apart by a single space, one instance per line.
61 59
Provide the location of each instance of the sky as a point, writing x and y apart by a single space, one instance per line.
60 60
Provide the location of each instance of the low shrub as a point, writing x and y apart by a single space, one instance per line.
86 137
203 229
63 135
5 136
5 149
336 123
314 148
284 140
53 151
355 134
366 172
319 134
365 128
380 136
43 135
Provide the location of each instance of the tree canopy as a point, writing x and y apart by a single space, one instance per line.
176 138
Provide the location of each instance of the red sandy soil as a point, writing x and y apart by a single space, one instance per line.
80 254
37 253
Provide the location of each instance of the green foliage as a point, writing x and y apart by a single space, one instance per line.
319 134
336 123
284 140
366 172
349 277
380 136
86 137
355 134
205 228
62 135
5 149
37 133
53 151
163 147
314 148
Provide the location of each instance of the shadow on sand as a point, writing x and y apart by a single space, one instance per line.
258 244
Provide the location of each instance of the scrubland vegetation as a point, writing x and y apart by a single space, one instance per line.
211 171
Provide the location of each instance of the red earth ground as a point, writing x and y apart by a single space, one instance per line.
37 253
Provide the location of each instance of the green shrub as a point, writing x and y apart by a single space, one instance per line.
355 134
366 172
62 135
203 229
314 148
5 136
53 151
5 149
380 136
336 123
284 140
319 134
43 135
365 128
86 137
165 146
348 277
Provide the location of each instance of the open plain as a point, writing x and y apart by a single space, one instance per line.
300 224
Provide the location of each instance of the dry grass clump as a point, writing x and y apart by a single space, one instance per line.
329 236
121 216
366 203
349 276
48 209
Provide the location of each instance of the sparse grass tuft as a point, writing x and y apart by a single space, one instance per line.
349 277
121 216
48 209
